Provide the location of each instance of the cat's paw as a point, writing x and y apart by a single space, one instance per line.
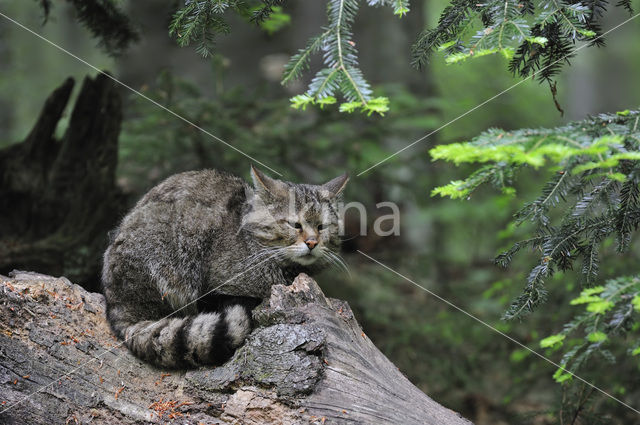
238 324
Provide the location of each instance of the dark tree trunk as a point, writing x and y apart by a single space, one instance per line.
306 362
58 197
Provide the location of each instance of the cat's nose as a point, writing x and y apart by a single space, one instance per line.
311 243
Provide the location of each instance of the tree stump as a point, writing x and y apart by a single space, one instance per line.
59 197
306 362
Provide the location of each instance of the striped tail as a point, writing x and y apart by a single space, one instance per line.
203 339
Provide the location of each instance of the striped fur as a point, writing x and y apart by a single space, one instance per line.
206 338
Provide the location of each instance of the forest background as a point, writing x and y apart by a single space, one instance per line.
446 245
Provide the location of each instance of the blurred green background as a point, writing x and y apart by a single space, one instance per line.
446 246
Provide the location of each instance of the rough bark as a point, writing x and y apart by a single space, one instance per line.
59 197
307 361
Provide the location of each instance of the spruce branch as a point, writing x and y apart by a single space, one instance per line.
400 7
591 196
300 61
605 312
341 74
625 217
201 21
537 38
262 13
597 181
106 22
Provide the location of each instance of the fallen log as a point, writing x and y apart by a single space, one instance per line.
307 361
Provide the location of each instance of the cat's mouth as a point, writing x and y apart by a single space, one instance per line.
305 259
302 255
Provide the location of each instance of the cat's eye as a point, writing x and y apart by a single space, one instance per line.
321 227
296 225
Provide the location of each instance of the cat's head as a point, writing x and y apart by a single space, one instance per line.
295 223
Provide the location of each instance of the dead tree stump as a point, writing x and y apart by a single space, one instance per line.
59 197
307 361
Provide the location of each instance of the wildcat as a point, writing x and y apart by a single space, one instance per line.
201 249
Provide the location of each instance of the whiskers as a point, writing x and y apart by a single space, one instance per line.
335 260
265 254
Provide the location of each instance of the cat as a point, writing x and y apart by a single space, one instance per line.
200 250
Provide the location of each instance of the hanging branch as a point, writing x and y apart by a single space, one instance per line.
593 195
104 19
537 38
340 74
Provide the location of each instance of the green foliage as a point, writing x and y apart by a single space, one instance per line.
590 201
276 20
265 128
597 171
266 11
553 341
608 312
379 105
105 21
340 73
400 7
435 347
537 37
200 21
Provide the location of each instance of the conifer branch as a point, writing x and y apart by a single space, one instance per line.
603 150
300 61
537 38
341 74
105 21
609 311
201 21
599 186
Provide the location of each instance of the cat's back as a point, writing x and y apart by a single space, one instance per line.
193 201
207 187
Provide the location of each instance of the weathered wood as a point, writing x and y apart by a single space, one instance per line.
59 197
307 361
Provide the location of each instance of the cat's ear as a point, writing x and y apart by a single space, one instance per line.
336 185
265 184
